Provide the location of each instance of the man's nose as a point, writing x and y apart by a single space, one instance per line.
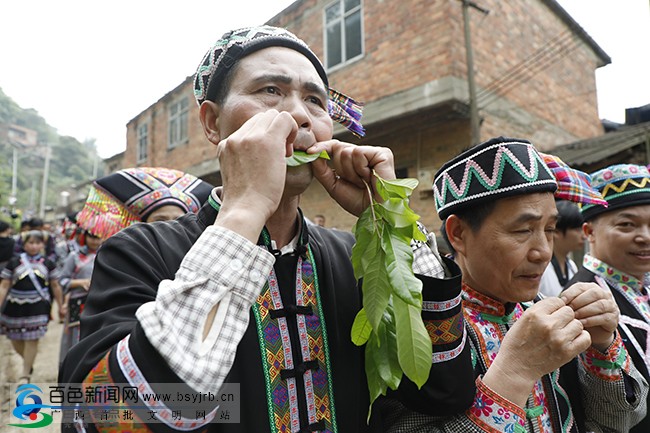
294 105
642 234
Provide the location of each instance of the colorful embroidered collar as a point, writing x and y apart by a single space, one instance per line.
489 309
614 276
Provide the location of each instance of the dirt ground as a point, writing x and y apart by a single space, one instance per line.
45 371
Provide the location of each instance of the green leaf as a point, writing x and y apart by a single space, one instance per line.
397 213
382 256
399 266
385 353
300 157
398 187
376 386
370 253
414 349
391 342
363 233
361 328
376 287
418 235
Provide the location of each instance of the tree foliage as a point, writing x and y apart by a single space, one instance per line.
71 162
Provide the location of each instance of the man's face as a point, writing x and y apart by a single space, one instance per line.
165 213
621 238
571 240
506 257
282 79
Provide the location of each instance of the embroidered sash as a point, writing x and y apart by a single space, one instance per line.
281 366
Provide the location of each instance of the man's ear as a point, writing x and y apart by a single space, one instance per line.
457 233
209 115
588 230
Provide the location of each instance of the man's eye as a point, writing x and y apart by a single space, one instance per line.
272 90
315 100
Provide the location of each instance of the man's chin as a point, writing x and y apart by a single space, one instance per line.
298 179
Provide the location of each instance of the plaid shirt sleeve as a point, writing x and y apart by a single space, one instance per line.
426 258
221 268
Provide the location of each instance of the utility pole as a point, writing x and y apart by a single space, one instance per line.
14 179
473 103
46 172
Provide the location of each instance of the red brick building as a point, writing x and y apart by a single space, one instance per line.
534 74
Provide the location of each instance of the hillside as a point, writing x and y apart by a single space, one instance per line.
71 162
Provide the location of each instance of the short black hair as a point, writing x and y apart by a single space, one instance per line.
569 216
226 83
35 222
476 214
445 237
3 226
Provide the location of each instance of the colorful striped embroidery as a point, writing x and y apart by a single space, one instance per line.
278 357
446 330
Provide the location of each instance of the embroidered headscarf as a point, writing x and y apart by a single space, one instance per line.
130 195
621 185
236 44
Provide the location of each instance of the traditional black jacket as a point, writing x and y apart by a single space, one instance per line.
130 266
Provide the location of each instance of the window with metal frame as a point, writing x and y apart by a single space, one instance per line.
343 32
178 118
143 142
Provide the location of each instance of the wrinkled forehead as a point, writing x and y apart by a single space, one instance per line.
281 64
525 208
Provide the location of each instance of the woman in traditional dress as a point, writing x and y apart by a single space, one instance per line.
75 276
29 281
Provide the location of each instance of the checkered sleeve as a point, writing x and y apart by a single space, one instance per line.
222 268
426 258
613 391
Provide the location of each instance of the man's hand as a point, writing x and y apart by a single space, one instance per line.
351 166
253 170
597 311
544 338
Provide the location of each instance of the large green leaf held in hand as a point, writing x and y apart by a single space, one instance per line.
299 157
390 322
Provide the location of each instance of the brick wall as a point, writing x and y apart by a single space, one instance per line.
549 96
182 157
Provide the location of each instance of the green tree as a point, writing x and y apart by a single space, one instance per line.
71 162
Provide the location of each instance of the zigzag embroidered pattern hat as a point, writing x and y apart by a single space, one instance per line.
498 168
621 185
236 44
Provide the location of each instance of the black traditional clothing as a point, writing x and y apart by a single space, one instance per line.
622 186
27 308
595 391
289 346
631 296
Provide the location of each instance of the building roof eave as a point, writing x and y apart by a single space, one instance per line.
573 25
